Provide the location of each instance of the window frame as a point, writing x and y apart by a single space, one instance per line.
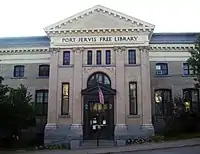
133 101
65 55
188 69
62 100
19 71
108 57
131 56
94 75
162 102
89 57
42 73
191 90
161 65
44 104
98 57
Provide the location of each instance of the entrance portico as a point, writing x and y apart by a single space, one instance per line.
99 40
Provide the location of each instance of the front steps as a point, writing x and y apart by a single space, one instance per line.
92 144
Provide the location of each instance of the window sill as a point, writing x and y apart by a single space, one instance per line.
162 75
133 116
131 65
64 116
102 65
18 78
42 77
188 76
65 66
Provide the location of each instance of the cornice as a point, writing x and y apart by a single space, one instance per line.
171 47
98 30
24 50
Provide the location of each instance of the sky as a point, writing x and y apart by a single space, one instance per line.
29 17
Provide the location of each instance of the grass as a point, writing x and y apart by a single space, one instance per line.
182 136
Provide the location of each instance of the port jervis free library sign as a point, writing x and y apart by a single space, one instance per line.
133 39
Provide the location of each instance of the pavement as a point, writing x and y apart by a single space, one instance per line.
135 148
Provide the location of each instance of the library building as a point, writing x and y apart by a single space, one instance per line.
101 73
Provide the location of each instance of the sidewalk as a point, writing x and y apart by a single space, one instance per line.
131 148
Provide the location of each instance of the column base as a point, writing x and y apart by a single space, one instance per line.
148 129
121 134
76 136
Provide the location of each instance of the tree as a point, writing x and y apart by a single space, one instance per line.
194 62
16 110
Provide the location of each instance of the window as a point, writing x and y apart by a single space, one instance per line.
161 69
187 69
98 57
65 99
108 57
44 70
19 71
133 98
191 95
99 77
41 102
131 57
66 58
163 99
89 57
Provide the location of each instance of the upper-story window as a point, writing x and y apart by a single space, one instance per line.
161 69
66 58
18 71
89 57
98 58
108 57
131 57
188 70
44 70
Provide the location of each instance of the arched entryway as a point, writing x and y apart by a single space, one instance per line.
98 118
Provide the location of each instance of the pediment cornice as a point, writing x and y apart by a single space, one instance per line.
135 24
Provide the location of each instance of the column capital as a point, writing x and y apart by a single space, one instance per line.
54 50
144 48
78 49
119 48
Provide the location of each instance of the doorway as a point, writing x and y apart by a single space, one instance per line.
98 119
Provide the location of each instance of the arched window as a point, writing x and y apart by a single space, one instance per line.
100 78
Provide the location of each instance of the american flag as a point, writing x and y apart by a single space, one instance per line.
101 97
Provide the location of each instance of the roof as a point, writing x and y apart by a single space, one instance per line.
157 38
28 41
174 38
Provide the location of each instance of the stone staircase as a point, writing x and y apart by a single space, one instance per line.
92 144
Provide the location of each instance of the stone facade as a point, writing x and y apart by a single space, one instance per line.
119 34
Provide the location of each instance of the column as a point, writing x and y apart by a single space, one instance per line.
76 127
120 127
146 92
53 88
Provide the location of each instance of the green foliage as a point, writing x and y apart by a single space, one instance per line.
16 110
194 61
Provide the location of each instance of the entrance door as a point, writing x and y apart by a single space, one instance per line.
98 119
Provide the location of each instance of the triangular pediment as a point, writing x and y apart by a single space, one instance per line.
99 17
93 90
